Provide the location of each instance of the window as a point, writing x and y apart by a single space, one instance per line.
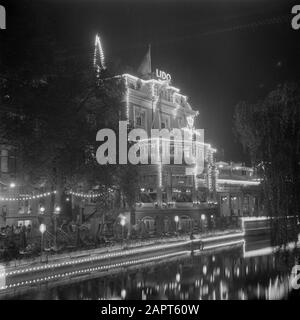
224 199
12 164
182 195
7 162
180 122
139 118
25 223
4 161
165 122
166 94
91 119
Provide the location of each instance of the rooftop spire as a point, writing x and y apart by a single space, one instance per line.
144 70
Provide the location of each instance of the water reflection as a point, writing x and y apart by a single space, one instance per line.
224 275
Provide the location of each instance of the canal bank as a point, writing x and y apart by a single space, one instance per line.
223 273
81 264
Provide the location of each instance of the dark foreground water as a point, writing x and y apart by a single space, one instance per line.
251 271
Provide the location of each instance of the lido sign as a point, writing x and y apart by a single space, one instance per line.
163 75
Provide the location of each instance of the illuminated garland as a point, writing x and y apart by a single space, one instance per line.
47 194
127 98
175 111
23 198
154 81
85 195
160 174
239 182
195 176
210 158
156 98
217 178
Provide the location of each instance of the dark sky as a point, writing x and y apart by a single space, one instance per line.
218 52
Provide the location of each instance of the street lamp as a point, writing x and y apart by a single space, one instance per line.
12 185
203 217
176 218
123 222
56 213
42 210
42 231
123 293
42 228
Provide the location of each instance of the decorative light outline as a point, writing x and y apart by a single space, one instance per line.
99 49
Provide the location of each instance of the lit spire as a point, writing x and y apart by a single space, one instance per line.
99 63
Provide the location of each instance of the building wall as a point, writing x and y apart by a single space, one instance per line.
169 109
166 189
238 190
163 220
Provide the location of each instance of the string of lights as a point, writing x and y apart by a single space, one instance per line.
28 197
127 97
47 194
85 195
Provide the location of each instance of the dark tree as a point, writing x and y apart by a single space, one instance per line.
52 106
270 131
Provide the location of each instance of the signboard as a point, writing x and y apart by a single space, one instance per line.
163 75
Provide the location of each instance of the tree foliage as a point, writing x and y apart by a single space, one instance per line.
52 106
270 131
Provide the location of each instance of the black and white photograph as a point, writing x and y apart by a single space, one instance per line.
149 150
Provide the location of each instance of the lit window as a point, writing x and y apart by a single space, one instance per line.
140 118
165 122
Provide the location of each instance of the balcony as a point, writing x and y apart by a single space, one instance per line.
177 205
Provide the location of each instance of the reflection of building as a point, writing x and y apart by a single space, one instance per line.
238 190
167 190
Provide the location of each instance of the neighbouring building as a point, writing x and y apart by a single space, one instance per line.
238 190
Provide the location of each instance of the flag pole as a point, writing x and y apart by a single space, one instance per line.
149 48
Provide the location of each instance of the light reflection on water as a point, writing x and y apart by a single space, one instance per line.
223 275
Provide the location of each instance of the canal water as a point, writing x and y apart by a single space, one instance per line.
249 271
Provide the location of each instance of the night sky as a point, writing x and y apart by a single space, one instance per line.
218 52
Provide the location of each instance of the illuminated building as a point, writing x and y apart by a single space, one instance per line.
169 190
238 190
190 191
